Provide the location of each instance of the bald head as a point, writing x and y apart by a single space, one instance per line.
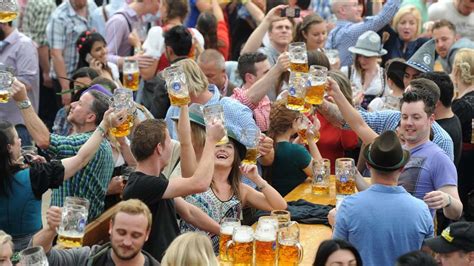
212 63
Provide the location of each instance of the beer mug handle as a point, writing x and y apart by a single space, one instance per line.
300 252
227 247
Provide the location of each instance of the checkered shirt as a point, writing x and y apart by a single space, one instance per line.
36 19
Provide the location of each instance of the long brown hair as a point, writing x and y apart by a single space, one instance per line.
281 119
233 179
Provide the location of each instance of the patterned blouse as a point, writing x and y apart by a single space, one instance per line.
215 208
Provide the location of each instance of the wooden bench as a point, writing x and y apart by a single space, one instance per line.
97 232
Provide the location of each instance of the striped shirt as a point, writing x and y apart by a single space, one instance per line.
389 120
63 30
91 182
346 33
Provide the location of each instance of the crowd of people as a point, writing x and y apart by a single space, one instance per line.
399 100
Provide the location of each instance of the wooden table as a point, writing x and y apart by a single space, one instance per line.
311 235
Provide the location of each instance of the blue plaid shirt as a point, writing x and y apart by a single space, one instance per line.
236 115
91 182
62 32
346 33
389 120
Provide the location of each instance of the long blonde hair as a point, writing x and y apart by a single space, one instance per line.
191 248
463 66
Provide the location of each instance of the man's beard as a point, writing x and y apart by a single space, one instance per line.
117 253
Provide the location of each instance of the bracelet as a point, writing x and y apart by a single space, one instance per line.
449 202
102 130
261 187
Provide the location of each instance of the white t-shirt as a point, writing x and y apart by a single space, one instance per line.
154 44
445 9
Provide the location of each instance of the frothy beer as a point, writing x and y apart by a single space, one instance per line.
6 16
288 254
131 80
315 93
224 237
299 66
265 248
243 248
70 240
345 188
4 96
124 129
302 135
250 156
295 103
320 189
179 99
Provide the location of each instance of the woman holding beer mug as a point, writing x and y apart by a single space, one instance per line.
227 195
292 163
92 49
22 185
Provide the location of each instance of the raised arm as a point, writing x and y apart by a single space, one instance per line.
255 40
88 150
350 114
188 155
260 88
377 22
256 13
45 236
37 129
202 177
267 198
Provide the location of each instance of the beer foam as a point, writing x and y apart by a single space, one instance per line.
265 236
243 237
227 229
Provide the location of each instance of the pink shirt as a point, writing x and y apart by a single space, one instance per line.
261 112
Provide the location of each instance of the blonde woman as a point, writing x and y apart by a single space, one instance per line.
6 248
404 34
463 107
191 248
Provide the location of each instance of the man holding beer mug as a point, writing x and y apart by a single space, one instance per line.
151 146
129 228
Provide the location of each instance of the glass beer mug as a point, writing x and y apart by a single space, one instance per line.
123 99
265 241
321 175
332 55
251 138
317 80
283 217
131 74
6 81
303 127
225 235
242 245
297 91
213 113
73 222
33 256
8 10
345 171
177 87
298 57
290 251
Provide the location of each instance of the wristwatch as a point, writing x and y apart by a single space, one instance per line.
23 104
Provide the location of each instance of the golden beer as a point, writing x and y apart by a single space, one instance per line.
70 241
179 99
250 156
295 103
223 239
7 16
288 253
124 129
131 80
345 188
296 66
315 94
302 135
265 249
4 96
320 189
307 108
243 253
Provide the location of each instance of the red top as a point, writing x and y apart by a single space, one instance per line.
334 141
223 37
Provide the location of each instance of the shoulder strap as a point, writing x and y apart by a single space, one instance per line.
126 18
